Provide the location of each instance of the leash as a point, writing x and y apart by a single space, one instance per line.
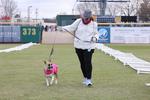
52 49
78 37
51 53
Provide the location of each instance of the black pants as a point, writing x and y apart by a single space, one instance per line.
85 58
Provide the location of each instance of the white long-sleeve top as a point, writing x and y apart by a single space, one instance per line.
84 33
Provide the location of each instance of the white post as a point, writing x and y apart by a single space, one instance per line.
29 13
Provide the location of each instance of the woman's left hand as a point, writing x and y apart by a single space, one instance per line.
94 39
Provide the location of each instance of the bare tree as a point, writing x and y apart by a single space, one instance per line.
113 9
144 12
9 7
82 6
125 8
129 10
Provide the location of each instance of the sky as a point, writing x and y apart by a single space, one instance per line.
45 8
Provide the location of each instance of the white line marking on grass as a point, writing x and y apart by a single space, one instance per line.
18 48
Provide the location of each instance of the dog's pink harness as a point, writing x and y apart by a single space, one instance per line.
52 71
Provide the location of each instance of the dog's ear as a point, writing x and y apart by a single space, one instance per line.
44 62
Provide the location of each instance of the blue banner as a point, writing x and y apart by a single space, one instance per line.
104 34
9 34
1 34
16 34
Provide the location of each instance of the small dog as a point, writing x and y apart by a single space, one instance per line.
50 72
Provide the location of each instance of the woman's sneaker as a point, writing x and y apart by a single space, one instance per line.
84 81
88 82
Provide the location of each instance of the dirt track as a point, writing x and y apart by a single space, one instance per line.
58 37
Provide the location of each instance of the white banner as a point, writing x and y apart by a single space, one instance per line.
130 34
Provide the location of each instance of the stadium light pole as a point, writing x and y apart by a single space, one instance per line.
36 13
1 10
29 13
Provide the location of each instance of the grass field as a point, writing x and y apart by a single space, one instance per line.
21 75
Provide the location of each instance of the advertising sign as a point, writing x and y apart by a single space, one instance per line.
15 33
104 34
9 33
1 34
130 35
